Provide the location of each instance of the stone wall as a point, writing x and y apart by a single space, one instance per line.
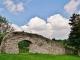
39 44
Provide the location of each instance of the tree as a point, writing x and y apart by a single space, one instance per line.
74 36
53 39
4 27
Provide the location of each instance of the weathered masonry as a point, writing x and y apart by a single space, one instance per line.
39 44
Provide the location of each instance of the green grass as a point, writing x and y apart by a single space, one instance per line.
30 56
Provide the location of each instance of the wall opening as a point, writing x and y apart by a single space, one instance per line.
24 46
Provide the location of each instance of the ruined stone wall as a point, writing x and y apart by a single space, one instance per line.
39 44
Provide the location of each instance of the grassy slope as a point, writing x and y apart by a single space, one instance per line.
28 56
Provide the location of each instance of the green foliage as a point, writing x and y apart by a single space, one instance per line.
53 39
30 56
4 27
74 36
23 46
62 42
3 19
1 37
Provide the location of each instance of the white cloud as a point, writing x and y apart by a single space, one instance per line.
78 12
56 27
59 26
37 24
25 28
16 28
1 9
58 22
14 8
71 7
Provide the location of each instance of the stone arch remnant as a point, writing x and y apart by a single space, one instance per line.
39 44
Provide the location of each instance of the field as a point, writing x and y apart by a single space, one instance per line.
30 56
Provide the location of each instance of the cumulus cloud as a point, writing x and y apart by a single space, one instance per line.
71 7
59 26
1 9
58 22
14 8
37 24
56 27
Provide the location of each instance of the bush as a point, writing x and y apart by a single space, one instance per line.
24 46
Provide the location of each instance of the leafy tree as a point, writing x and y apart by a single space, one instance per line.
74 36
4 27
53 39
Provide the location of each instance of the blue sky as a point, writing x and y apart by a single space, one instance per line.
35 15
40 8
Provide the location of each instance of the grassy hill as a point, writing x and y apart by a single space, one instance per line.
30 56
